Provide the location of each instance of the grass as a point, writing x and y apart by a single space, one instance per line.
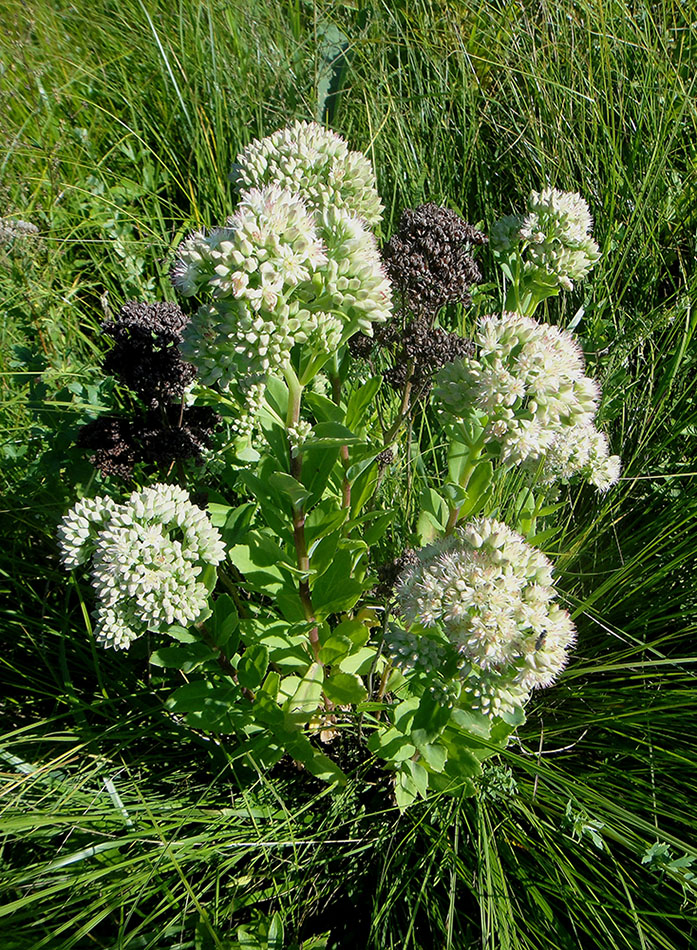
119 126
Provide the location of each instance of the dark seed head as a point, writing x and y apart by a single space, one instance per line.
429 258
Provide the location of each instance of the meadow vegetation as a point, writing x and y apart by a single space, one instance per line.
121 827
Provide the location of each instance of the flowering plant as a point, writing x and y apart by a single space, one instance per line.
315 354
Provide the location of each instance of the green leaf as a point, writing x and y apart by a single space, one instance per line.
333 53
320 465
182 634
323 553
260 559
277 438
323 520
184 658
334 648
275 939
477 724
359 662
458 457
363 487
218 514
541 537
238 522
308 696
276 395
391 744
253 665
330 435
454 494
226 715
405 789
345 689
219 709
434 755
461 762
335 590
419 776
271 684
290 487
359 400
403 713
477 487
361 464
434 507
225 623
209 578
356 632
430 719
512 720
273 504
374 532
190 697
426 530
325 410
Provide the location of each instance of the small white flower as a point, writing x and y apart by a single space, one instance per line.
299 434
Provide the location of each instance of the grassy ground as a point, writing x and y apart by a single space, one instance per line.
119 123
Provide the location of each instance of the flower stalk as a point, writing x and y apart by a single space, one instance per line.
295 391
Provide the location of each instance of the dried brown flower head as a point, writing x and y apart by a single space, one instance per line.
146 352
429 258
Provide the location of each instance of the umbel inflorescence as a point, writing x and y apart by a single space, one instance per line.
529 392
307 159
551 238
491 594
145 556
296 265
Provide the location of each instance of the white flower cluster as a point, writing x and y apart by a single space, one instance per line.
268 247
553 237
146 559
491 594
78 531
298 435
296 264
581 450
315 162
492 693
354 281
12 229
529 390
408 651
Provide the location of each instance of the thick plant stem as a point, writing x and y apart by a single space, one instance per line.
295 391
